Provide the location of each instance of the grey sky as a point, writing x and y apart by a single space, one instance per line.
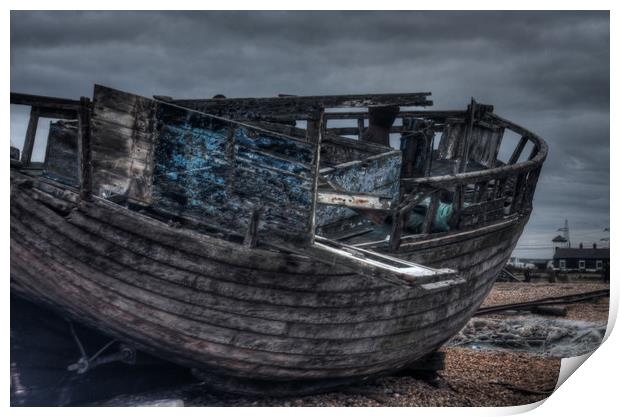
548 71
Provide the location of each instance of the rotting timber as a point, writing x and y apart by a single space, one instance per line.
253 241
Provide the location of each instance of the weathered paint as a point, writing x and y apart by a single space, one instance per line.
352 200
377 175
224 173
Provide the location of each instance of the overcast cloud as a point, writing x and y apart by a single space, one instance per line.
548 71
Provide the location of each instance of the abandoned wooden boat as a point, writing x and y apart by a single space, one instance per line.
227 236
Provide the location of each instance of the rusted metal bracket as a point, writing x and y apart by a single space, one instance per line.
124 353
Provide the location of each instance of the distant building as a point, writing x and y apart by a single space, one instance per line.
580 259
528 263
560 241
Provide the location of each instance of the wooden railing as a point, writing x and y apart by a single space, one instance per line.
477 197
59 108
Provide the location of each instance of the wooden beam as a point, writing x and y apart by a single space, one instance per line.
474 176
464 148
251 237
376 265
291 108
84 150
425 114
31 133
312 127
44 101
360 128
380 121
354 200
303 103
518 150
399 219
430 214
50 113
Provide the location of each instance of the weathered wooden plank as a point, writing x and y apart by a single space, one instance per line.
61 157
484 145
31 132
354 200
85 173
450 139
123 137
466 139
440 115
416 147
44 101
297 107
390 269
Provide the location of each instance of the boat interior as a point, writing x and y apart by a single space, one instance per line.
350 179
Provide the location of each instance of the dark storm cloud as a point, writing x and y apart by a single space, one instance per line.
546 70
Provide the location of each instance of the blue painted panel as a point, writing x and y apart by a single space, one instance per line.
223 172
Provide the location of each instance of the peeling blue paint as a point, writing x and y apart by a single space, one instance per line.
201 170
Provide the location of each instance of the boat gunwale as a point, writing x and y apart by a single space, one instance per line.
540 145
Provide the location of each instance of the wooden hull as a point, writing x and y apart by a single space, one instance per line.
234 312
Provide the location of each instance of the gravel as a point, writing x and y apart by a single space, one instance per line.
596 310
470 378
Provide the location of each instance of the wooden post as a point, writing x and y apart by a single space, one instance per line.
84 150
380 121
230 158
318 133
251 237
416 145
480 191
360 128
464 151
517 152
533 153
31 132
429 154
532 181
518 192
398 220
312 127
430 214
